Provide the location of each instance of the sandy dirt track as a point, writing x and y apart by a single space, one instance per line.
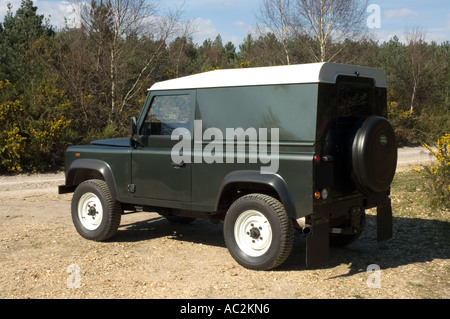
42 256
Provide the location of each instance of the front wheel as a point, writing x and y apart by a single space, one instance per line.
258 233
95 214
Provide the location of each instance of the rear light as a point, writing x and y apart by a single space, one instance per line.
321 194
325 158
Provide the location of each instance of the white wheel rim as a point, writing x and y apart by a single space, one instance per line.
90 211
253 233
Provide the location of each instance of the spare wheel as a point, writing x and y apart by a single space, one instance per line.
374 155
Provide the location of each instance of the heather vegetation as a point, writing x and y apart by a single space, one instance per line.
67 86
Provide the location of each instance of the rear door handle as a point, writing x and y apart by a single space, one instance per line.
178 165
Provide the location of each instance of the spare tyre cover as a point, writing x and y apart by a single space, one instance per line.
374 155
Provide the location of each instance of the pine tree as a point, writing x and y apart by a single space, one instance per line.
18 36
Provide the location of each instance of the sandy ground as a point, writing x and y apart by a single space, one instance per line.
42 256
412 157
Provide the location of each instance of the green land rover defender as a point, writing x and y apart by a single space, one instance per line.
266 151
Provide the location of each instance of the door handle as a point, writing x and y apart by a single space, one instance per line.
178 165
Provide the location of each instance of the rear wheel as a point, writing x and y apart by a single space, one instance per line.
258 233
95 214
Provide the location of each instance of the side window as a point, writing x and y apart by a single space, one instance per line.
166 113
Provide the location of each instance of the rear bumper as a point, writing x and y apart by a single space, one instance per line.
335 207
318 245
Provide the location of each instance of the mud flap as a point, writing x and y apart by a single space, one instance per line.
384 221
318 242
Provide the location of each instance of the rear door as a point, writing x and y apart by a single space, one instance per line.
154 174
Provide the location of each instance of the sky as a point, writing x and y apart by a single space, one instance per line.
234 19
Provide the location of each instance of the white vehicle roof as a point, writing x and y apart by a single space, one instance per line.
290 74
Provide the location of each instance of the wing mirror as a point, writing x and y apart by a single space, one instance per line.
135 140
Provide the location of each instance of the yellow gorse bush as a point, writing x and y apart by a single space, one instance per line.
12 149
12 140
442 152
51 133
32 139
4 83
437 174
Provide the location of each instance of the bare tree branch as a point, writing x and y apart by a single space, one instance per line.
419 56
276 16
325 22
112 23
330 21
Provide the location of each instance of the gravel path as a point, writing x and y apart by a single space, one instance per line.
42 256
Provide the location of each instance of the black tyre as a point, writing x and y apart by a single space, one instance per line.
258 233
374 155
95 214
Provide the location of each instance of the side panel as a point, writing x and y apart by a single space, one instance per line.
113 163
289 108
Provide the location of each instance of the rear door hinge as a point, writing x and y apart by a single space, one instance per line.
131 188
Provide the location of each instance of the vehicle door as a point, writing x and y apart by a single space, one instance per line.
154 174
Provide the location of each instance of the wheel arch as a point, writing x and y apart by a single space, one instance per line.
84 169
240 183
